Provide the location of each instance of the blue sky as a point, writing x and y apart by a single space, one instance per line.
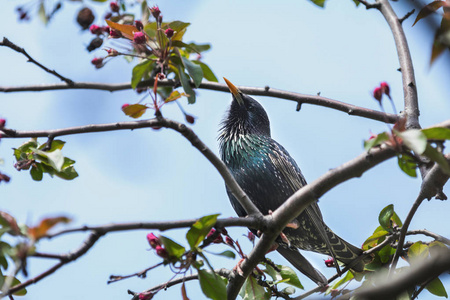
342 52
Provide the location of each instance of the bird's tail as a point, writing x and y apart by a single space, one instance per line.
303 265
346 252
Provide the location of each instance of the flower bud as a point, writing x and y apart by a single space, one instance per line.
85 17
108 15
114 6
139 38
4 178
329 262
95 29
190 119
123 107
155 11
169 32
250 236
152 239
377 93
385 88
229 241
139 25
115 34
224 231
146 296
112 52
94 44
161 252
97 62
2 123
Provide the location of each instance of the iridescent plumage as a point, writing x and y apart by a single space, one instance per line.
269 176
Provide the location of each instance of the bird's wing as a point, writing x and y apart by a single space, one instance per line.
292 174
303 265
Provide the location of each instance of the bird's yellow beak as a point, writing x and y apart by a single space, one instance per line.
235 91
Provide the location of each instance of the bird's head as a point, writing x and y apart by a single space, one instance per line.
245 116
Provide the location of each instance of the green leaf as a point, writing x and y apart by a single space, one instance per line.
207 72
272 273
201 47
418 251
139 70
174 96
437 288
174 249
414 139
357 3
200 229
195 71
25 148
227 253
213 286
407 165
437 157
68 173
437 133
185 82
320 3
348 276
56 144
385 253
288 273
55 158
36 173
378 140
375 239
22 292
385 217
252 290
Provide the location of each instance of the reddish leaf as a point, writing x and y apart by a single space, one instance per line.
174 96
437 50
183 292
429 9
45 225
6 220
134 110
126 30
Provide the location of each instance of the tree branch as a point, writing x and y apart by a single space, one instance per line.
411 104
249 221
298 202
433 267
65 259
222 272
432 183
156 122
266 91
16 48
435 236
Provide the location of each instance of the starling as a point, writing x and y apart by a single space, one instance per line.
269 176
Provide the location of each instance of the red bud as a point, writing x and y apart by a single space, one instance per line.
139 38
114 6
161 252
169 32
2 123
377 93
139 25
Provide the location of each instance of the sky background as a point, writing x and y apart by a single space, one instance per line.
342 51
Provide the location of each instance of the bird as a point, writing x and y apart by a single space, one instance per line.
269 176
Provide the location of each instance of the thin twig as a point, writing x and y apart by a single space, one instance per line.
163 225
222 272
88 243
16 48
427 191
142 274
409 14
369 5
266 91
436 236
